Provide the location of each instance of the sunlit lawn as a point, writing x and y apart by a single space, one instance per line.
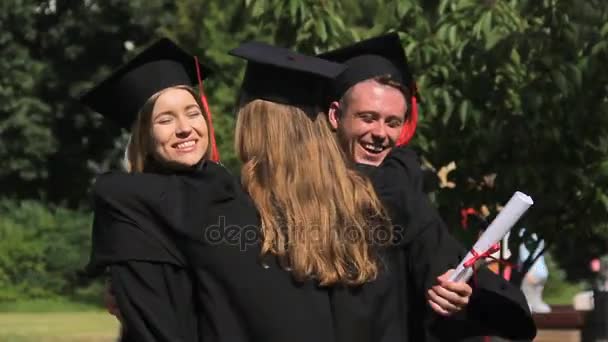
90 326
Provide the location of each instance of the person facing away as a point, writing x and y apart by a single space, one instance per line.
368 110
190 255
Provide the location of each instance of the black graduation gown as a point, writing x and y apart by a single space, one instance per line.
425 249
185 266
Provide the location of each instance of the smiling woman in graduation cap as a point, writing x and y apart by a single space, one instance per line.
194 258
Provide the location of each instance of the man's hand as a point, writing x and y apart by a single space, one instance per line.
448 297
110 301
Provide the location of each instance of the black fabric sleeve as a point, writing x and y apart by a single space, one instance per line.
156 302
430 250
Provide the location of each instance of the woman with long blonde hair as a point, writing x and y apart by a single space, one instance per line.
193 257
318 216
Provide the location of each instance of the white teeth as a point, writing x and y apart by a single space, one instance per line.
185 144
373 148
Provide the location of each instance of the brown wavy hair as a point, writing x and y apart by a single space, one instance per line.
320 217
140 142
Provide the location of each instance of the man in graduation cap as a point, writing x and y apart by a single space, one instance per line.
370 100
373 109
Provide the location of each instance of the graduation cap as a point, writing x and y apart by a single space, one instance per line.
374 57
163 64
280 75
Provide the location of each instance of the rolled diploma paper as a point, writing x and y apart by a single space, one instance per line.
508 216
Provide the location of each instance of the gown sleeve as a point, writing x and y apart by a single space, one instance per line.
429 250
128 223
148 273
156 302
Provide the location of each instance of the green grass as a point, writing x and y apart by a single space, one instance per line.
559 291
88 326
47 305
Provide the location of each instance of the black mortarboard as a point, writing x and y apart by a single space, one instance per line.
162 65
370 58
280 75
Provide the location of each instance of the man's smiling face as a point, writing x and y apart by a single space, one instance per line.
369 120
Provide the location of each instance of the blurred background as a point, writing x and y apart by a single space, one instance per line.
514 97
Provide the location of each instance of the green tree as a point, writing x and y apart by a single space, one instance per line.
55 50
42 250
513 92
516 90
27 139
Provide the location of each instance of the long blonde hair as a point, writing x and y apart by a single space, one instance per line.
140 142
320 217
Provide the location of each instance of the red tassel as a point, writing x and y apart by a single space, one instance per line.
409 127
215 155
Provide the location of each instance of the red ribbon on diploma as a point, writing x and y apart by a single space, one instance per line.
476 256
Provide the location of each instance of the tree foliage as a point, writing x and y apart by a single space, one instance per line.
42 250
514 92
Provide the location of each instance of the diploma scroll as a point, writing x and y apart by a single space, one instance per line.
508 216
